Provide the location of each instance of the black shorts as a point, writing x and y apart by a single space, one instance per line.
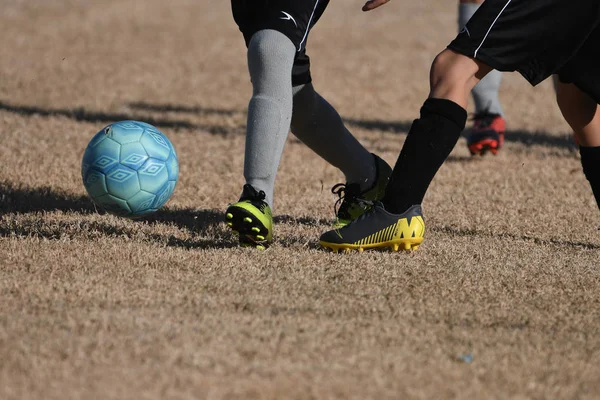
293 18
538 38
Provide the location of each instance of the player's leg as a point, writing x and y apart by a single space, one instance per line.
398 221
489 126
433 136
318 125
270 60
513 44
276 33
276 61
583 115
271 55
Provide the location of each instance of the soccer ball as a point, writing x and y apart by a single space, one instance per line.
130 169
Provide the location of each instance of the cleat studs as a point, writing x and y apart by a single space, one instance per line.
230 224
260 247
395 247
255 229
229 215
360 249
248 220
406 246
235 232
415 247
260 237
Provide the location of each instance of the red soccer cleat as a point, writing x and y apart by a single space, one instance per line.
487 134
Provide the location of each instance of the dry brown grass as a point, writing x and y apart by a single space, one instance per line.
92 306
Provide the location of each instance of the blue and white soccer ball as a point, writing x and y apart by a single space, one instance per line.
130 168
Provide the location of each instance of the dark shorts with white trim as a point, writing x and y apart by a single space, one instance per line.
293 18
538 38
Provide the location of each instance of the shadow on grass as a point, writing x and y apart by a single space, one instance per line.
555 242
24 200
525 138
178 108
308 221
397 127
81 114
19 199
94 230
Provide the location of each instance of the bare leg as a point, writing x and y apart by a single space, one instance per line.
433 136
581 112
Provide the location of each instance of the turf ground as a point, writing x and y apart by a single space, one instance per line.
501 301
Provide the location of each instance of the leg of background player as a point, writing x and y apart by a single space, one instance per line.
489 125
583 115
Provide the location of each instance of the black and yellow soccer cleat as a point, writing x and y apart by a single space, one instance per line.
251 219
378 228
354 202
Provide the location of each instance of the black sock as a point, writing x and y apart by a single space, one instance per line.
429 142
590 161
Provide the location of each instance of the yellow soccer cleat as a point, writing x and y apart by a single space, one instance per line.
251 219
378 228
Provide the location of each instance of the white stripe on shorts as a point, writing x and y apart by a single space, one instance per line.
308 26
488 32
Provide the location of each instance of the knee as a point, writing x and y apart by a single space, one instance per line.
577 108
455 73
447 72
270 50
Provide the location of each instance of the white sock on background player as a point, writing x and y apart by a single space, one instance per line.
318 125
270 60
485 93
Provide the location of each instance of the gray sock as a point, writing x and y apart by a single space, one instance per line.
270 60
485 93
318 125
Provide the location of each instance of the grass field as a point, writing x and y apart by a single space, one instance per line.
501 301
